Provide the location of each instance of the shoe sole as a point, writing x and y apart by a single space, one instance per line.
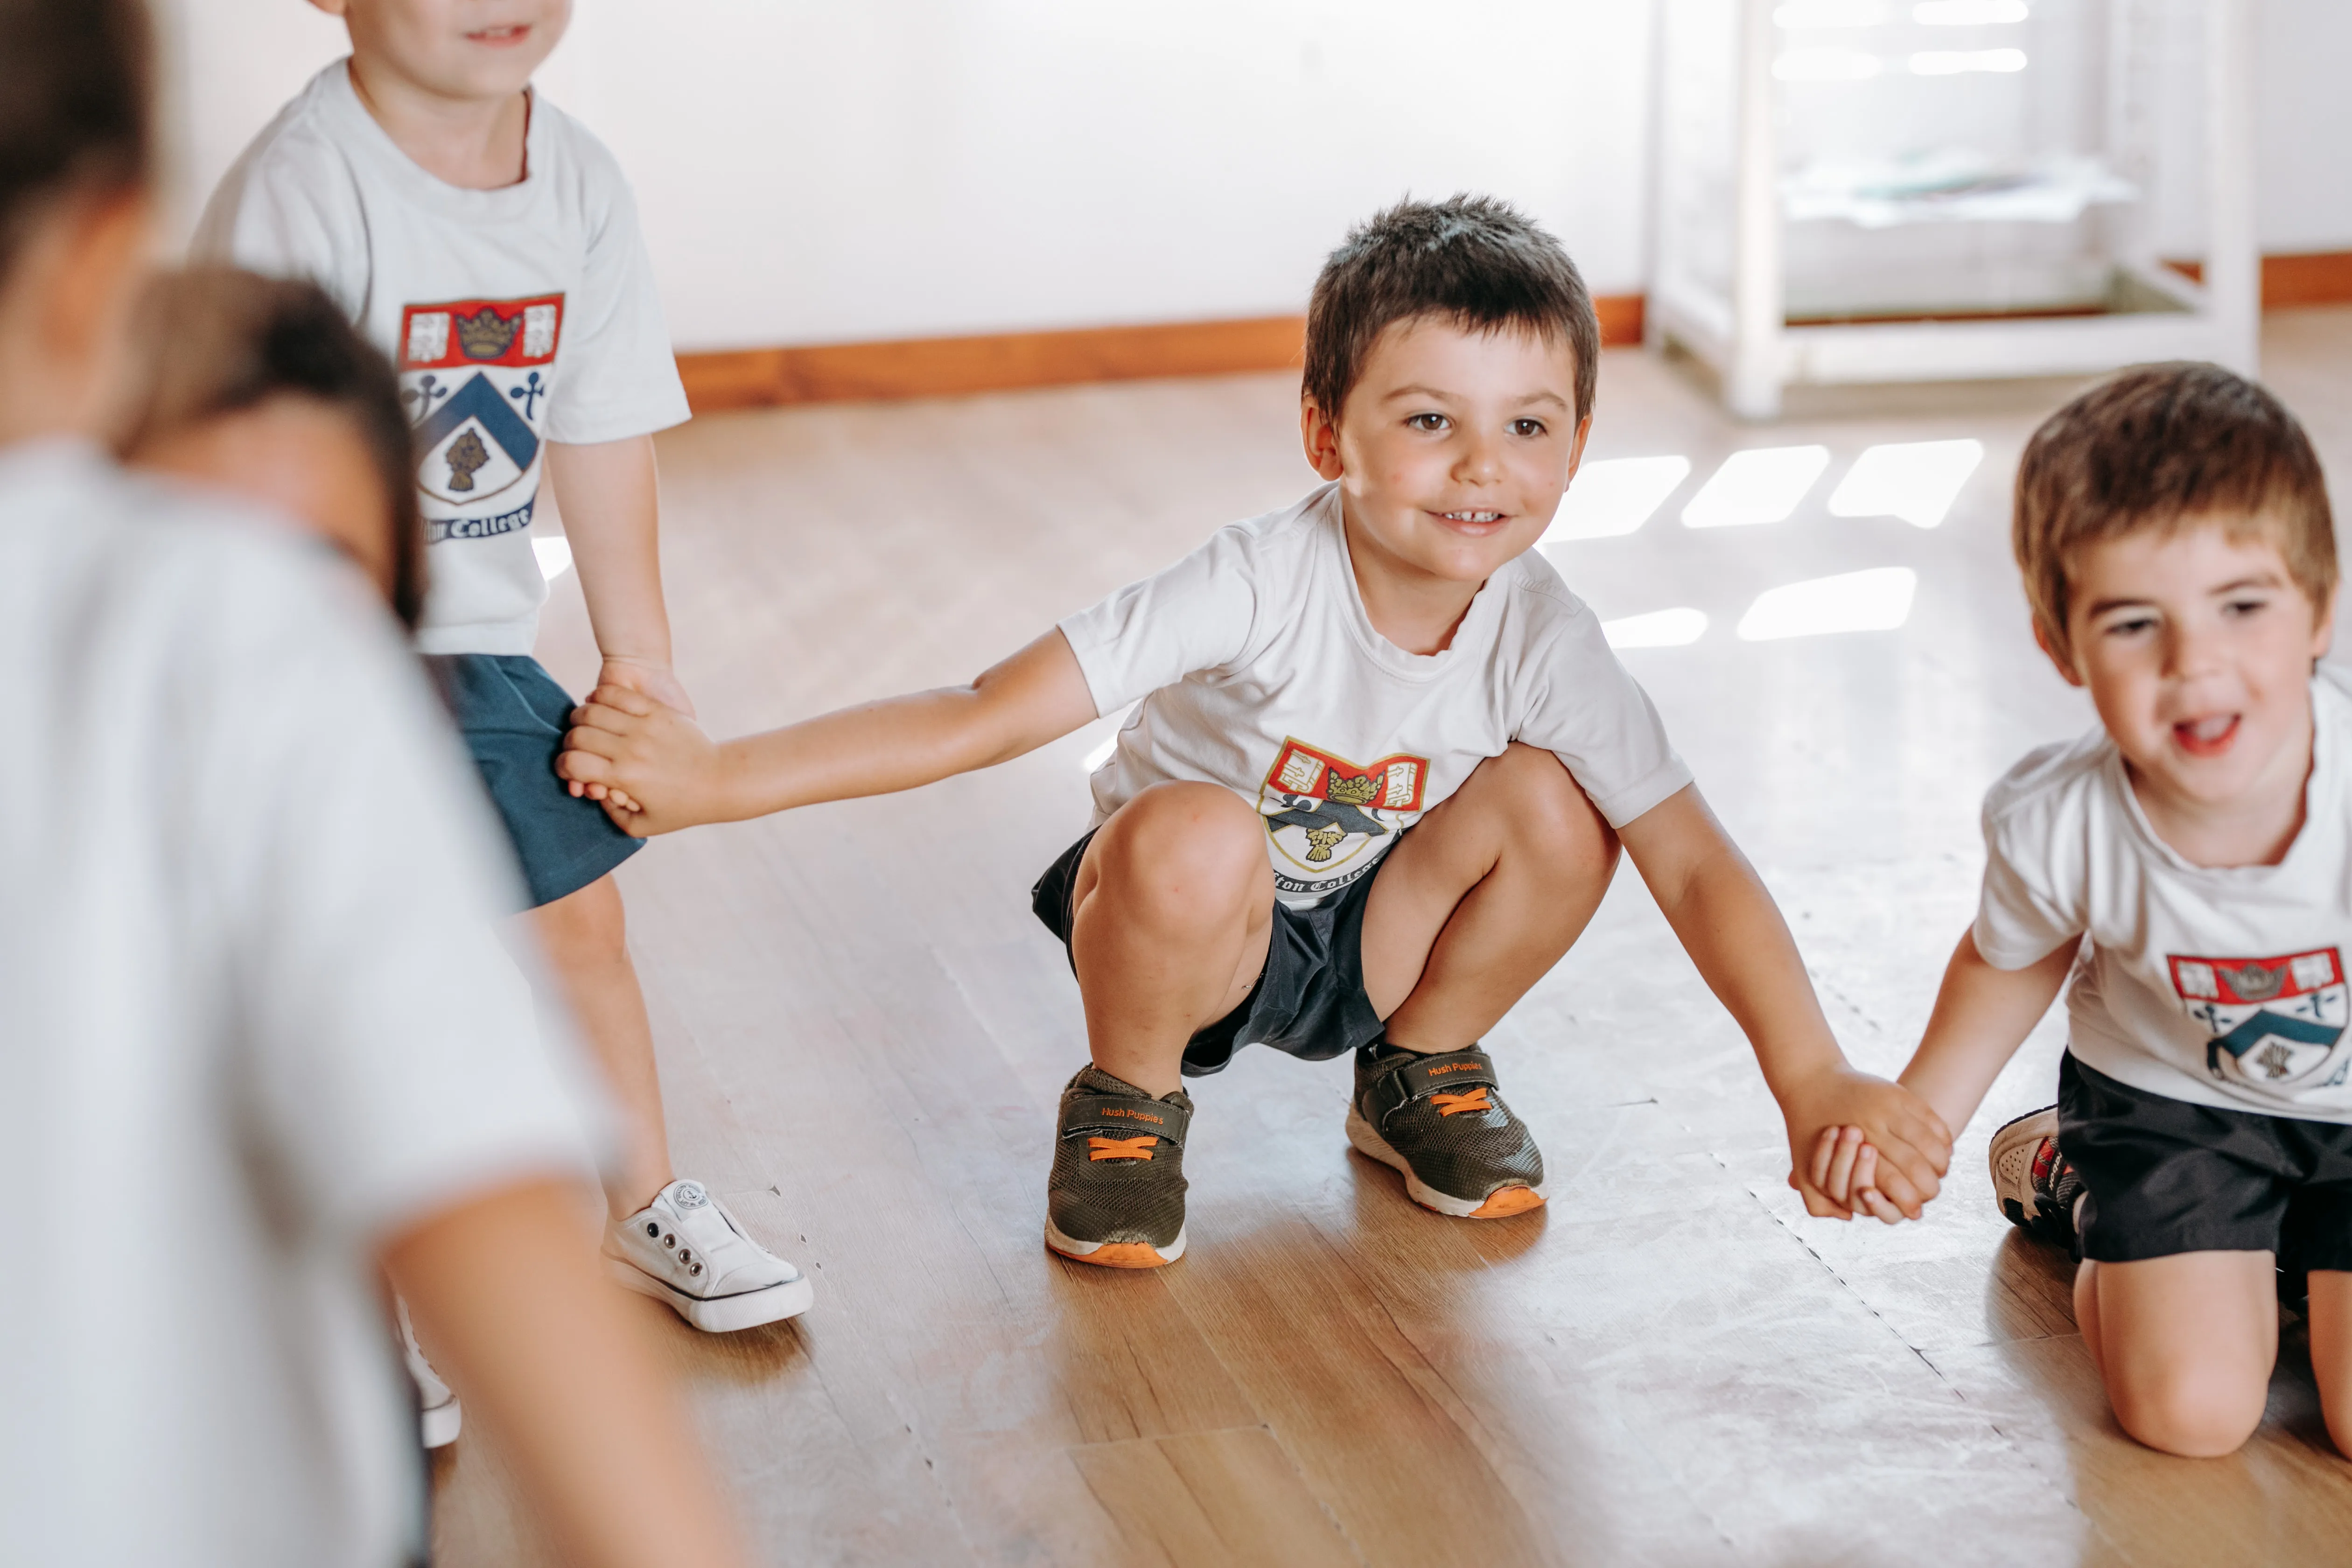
1115 1254
719 1315
2013 1147
438 1425
1500 1203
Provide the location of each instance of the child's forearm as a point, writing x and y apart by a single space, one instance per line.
609 494
1982 1014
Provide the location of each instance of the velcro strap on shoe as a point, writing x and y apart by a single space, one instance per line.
1125 1116
1449 1072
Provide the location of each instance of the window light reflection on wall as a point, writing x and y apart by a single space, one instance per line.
1659 628
1803 13
1967 13
1614 496
1957 62
1763 484
1915 480
1878 600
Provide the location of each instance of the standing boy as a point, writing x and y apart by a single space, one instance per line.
2174 531
488 244
1376 780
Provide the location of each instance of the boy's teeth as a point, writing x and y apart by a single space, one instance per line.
1472 516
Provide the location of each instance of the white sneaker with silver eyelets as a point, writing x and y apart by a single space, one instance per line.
438 1415
686 1249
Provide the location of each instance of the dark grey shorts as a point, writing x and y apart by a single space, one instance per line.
2167 1177
513 717
1309 998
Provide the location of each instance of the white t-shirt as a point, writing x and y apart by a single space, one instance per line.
1258 669
254 1018
516 316
2223 986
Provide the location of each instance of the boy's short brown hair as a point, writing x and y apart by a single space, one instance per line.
73 105
1473 260
2163 447
216 341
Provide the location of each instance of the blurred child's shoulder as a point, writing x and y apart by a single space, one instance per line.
2052 779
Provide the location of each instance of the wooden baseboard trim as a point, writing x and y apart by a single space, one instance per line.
2313 277
1006 362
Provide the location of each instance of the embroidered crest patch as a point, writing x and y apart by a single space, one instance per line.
475 376
1324 813
2274 1023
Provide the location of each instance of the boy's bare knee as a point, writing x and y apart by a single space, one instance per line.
1551 816
1183 853
2196 1411
585 928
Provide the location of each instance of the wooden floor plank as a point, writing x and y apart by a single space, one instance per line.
1208 1499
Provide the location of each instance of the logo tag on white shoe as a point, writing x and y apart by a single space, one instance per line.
690 1195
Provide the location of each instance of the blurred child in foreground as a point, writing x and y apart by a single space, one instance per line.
259 1042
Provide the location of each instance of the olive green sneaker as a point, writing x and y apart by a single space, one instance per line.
1439 1119
1117 1194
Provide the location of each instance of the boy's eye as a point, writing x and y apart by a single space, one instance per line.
1530 428
2128 627
2244 606
1428 422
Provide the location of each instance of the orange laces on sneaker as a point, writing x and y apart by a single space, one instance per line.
1122 1148
1454 1104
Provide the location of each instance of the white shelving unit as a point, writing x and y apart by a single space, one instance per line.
1922 190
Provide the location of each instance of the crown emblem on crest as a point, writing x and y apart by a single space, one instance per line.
1360 790
485 334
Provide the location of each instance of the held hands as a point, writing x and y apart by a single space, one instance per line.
649 764
1844 1124
655 680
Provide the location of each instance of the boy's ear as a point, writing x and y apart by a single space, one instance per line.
1320 434
2065 666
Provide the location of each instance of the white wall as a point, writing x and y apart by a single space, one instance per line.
901 168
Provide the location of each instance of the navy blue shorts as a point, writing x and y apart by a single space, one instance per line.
1309 999
2169 1176
513 717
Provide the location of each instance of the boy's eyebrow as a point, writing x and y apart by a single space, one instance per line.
2265 579
1417 390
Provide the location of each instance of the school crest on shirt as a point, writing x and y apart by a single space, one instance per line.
2274 1023
1324 813
475 376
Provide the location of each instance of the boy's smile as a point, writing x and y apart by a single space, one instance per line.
2197 649
1452 453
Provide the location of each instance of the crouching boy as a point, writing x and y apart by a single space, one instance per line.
2173 529
1376 779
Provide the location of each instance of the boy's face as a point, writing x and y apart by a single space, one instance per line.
472 50
2197 649
1453 448
301 458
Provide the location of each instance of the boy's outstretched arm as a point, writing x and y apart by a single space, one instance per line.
1734 934
677 776
505 1289
1982 1014
610 495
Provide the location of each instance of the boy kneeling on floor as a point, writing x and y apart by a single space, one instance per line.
1376 779
2189 865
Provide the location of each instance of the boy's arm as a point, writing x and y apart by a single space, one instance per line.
1982 1014
609 494
677 776
1734 934
505 1290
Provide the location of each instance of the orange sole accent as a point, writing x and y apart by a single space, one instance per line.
1506 1202
1121 1255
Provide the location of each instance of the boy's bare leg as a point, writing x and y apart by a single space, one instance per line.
2185 1344
585 936
2329 1315
1172 909
1481 898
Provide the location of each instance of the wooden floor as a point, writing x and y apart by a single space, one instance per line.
863 1031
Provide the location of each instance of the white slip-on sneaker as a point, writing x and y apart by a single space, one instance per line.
438 1416
686 1249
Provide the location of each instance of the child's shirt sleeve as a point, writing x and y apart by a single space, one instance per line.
1196 616
617 377
1584 706
290 211
2035 879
